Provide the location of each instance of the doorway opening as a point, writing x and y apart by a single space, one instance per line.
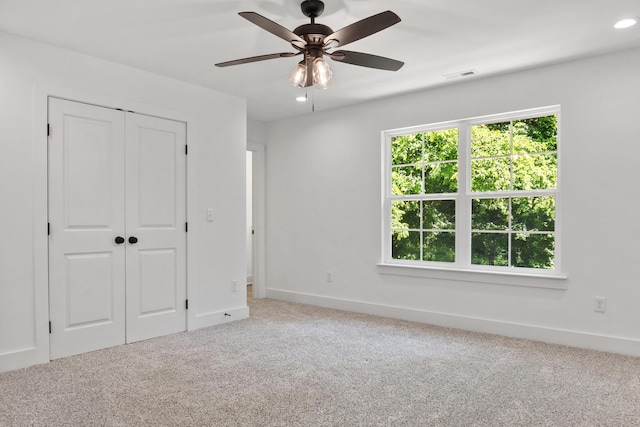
250 232
256 273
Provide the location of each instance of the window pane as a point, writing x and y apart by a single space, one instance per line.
490 175
439 214
441 178
490 249
406 180
541 135
490 214
405 244
535 172
405 214
532 250
533 213
406 149
441 145
490 140
439 246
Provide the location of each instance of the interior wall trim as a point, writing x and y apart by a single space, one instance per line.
219 317
610 344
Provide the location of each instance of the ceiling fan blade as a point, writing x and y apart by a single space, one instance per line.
273 28
366 60
256 59
362 29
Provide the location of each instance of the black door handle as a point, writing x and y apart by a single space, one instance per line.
133 240
119 240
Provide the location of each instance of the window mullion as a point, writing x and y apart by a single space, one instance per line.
420 204
512 186
386 197
463 201
510 233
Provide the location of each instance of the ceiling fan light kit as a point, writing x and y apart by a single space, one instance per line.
314 41
317 69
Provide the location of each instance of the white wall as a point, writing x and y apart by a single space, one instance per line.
323 208
216 132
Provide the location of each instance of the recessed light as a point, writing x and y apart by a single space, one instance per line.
302 98
626 23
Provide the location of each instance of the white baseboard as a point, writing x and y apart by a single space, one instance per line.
21 359
32 356
589 341
218 317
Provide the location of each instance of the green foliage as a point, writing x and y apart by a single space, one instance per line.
441 145
532 250
518 155
507 156
406 149
490 249
439 246
405 245
425 163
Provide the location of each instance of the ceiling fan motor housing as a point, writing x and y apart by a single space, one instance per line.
313 34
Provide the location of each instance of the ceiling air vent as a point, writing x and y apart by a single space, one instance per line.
460 74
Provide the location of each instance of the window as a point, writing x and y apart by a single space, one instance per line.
477 194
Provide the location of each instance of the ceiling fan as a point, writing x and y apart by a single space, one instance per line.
315 40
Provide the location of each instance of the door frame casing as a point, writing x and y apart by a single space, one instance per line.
258 214
40 353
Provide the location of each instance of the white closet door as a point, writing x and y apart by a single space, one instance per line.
86 265
155 223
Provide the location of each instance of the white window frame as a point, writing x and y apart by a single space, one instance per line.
462 269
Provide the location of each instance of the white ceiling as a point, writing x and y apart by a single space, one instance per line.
183 39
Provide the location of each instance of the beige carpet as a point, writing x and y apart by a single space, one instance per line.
297 365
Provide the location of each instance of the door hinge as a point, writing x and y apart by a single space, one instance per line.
186 304
48 129
253 231
48 229
49 326
186 227
186 149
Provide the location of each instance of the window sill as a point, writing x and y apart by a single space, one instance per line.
509 278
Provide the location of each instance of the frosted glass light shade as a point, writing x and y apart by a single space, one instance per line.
298 76
321 73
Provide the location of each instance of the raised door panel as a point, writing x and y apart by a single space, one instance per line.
89 289
157 180
158 284
88 168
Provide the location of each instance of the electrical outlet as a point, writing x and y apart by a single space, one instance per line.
600 304
329 277
210 215
234 286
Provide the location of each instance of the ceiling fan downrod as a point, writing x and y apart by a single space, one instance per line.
312 9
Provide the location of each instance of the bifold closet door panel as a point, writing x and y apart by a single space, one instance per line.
86 180
155 223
